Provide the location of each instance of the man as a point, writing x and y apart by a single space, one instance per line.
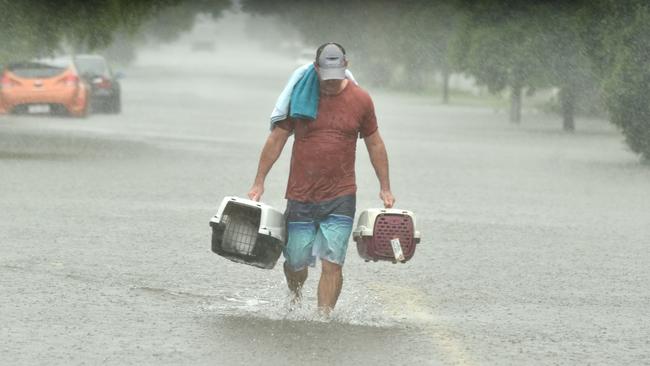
321 192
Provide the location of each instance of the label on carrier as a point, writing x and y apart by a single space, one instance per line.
397 249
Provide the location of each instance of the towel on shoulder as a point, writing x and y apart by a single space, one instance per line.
299 98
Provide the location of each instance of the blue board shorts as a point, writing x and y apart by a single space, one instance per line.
318 230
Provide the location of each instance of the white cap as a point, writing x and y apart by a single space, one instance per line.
331 62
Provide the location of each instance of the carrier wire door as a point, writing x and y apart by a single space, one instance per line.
248 232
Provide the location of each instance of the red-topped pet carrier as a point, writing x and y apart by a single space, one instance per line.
386 235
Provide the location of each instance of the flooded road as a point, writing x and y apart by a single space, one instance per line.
534 250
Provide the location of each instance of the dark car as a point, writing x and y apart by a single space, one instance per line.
104 84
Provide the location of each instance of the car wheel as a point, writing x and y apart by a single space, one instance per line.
86 111
116 105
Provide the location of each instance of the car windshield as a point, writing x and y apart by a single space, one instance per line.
36 70
91 66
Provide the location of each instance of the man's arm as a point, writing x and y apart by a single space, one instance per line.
379 159
270 153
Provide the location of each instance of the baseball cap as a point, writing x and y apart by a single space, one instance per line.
331 62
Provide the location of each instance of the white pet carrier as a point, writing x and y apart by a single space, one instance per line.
248 232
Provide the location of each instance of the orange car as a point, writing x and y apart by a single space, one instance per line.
43 86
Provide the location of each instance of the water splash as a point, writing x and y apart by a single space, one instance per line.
355 308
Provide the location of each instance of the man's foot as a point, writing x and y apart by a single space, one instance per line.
325 311
323 314
295 280
296 297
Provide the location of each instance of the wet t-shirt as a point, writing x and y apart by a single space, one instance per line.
322 159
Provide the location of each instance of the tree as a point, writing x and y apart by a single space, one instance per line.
526 44
38 28
628 85
616 38
564 58
496 46
425 32
390 43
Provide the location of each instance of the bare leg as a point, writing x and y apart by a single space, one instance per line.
329 286
295 280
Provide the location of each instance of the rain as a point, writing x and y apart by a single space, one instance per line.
517 133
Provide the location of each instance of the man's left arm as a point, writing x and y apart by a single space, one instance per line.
379 159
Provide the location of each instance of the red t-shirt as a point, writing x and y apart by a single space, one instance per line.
322 159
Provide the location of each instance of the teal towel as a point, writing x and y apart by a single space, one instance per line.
304 98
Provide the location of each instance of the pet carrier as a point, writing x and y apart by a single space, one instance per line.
386 235
249 232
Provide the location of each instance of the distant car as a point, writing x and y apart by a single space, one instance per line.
43 86
105 90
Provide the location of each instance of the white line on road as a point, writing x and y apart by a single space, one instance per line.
403 303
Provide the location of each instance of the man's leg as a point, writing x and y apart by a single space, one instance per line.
329 286
295 280
297 253
331 244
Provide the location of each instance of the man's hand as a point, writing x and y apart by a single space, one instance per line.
387 197
256 192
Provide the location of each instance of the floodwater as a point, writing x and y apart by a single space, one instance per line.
534 249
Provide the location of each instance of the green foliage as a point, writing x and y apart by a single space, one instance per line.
498 45
396 44
24 32
424 32
528 44
628 86
573 46
39 27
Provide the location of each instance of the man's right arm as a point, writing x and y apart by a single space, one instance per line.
270 153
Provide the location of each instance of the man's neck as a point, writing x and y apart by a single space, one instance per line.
333 87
